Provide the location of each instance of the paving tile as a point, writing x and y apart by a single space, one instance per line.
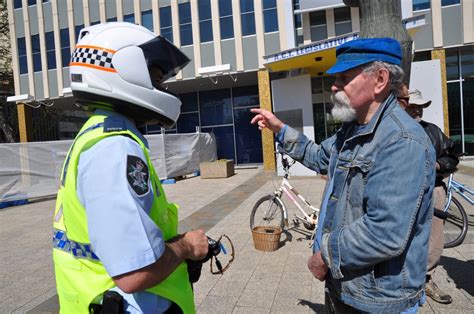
217 304
294 292
250 310
291 305
257 298
425 309
228 288
263 282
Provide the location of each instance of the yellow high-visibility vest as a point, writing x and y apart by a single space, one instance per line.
81 278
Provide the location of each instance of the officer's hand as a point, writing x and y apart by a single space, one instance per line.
266 119
197 245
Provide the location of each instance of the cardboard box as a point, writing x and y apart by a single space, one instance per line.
222 168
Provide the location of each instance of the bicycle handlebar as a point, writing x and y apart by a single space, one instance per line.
286 165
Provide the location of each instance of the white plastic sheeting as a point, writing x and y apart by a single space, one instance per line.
32 170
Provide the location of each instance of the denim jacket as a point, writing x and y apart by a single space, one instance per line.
378 216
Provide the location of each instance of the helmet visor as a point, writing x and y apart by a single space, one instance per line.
161 53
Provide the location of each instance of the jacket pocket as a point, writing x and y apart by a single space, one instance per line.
358 171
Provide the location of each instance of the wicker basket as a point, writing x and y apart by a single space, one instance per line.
266 238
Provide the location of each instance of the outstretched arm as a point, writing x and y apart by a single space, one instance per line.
266 119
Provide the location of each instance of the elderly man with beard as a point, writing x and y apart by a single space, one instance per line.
377 204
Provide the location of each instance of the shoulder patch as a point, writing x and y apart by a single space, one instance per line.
114 124
137 175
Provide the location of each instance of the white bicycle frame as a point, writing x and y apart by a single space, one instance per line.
291 193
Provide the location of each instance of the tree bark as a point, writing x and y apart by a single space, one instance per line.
6 127
383 18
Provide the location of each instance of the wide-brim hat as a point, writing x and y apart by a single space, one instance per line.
417 99
362 51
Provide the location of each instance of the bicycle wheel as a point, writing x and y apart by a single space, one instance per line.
455 226
268 212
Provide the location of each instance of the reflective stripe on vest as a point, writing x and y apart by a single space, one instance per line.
79 250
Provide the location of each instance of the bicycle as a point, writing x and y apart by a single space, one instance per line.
456 221
270 211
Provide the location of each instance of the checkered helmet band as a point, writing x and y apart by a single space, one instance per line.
93 56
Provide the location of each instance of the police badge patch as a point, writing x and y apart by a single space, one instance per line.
137 175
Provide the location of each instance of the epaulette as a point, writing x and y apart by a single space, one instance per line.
114 124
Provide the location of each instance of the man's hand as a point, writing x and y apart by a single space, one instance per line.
317 266
266 119
197 245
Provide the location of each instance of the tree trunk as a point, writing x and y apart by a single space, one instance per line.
383 18
6 127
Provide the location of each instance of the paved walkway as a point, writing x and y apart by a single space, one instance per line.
257 282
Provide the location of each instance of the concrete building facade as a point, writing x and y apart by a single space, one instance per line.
233 45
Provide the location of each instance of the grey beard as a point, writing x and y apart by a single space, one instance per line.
342 110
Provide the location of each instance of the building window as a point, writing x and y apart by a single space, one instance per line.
421 5
35 48
17 4
147 19
77 30
33 2
50 50
317 21
247 17
205 20
189 118
342 19
130 18
166 26
65 48
185 27
112 19
449 2
270 16
298 24
22 55
225 19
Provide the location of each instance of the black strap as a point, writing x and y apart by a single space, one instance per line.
440 214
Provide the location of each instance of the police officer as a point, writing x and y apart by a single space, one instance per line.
114 229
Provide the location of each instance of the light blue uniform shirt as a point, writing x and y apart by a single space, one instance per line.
121 232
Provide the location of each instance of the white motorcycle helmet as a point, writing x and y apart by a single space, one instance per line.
113 65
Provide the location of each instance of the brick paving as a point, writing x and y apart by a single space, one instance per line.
257 282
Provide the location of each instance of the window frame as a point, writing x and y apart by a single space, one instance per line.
265 11
342 22
314 26
36 55
183 27
22 57
450 4
66 47
224 17
205 20
423 8
166 31
245 14
50 50
147 13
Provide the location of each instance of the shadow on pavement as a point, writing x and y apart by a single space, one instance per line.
458 270
288 238
316 307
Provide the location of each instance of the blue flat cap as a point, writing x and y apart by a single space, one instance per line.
361 51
